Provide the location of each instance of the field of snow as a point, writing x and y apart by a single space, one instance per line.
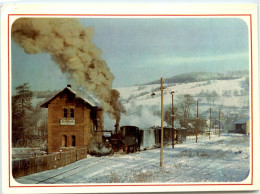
221 159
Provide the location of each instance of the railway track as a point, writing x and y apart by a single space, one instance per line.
198 168
70 172
113 163
126 169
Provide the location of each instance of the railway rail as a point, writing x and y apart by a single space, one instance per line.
75 170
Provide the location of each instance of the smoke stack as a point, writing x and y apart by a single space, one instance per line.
72 49
116 128
69 86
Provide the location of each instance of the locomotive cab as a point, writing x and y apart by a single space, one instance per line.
131 138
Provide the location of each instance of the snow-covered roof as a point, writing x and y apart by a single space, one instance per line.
243 120
80 94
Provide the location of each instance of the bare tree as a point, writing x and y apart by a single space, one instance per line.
212 96
185 104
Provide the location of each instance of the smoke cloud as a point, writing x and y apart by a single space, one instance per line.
70 45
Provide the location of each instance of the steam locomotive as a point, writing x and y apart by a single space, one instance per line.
127 138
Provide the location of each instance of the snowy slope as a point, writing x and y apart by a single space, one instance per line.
141 105
189 88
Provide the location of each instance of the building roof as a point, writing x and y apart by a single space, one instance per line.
80 93
243 120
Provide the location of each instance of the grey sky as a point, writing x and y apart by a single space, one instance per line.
140 50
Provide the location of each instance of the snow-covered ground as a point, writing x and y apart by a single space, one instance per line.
220 159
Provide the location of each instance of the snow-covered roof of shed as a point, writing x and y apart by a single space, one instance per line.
243 120
79 93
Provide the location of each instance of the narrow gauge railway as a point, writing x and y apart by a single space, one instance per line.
73 171
56 175
87 167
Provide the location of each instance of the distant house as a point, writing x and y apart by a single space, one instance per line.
243 125
75 119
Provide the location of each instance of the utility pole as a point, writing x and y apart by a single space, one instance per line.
209 122
219 124
173 132
197 120
162 118
23 115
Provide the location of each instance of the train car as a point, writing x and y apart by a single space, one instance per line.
128 138
167 135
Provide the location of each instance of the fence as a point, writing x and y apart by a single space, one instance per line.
28 166
22 153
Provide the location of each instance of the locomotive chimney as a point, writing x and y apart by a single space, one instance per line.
116 127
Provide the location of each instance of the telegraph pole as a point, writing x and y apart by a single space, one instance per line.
197 121
162 118
209 122
219 124
173 132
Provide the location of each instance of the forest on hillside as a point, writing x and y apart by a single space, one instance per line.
203 76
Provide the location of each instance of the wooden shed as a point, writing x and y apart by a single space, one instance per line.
243 125
75 119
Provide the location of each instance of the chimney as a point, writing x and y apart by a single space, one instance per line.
69 86
116 127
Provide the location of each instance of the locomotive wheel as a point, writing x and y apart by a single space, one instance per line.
133 149
130 149
126 149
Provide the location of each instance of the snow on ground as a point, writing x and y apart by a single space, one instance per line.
220 159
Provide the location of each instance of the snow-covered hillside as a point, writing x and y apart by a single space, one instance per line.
143 94
141 102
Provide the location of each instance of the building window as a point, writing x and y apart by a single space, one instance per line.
65 113
72 113
64 141
73 140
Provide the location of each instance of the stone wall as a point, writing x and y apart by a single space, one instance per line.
47 162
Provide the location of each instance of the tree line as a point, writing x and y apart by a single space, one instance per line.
185 112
